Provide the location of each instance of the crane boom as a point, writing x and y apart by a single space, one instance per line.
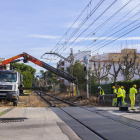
28 57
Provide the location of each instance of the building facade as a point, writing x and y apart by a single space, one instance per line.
114 57
7 65
63 64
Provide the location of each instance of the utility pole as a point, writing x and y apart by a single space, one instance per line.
71 68
86 60
87 82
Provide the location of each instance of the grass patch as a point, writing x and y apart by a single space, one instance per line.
4 112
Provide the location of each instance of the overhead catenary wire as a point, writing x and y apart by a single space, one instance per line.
96 7
93 22
116 38
110 28
102 23
72 24
82 23
112 34
107 20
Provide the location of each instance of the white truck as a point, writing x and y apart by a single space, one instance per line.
10 81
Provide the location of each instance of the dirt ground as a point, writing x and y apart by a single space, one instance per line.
92 101
27 101
34 100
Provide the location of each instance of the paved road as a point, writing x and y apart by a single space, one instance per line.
42 124
67 124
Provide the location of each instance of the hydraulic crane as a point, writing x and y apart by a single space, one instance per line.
27 57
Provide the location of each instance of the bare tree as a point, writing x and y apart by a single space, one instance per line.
130 66
137 69
116 69
100 72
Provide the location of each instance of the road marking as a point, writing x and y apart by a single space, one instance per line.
5 111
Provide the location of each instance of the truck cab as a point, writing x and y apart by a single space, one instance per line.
10 81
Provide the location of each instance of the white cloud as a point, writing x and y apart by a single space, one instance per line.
131 5
44 36
102 38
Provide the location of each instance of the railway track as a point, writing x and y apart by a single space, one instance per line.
53 101
104 114
45 97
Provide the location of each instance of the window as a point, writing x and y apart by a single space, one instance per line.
115 57
8 77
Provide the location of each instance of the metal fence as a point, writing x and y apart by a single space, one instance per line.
94 88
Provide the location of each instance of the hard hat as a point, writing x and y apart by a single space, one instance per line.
122 87
99 87
113 86
134 86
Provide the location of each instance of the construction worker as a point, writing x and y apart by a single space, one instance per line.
132 93
119 95
101 97
124 95
114 96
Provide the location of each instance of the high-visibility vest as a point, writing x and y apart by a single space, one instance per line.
115 91
119 93
124 92
132 92
102 92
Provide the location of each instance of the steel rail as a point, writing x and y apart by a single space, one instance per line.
94 132
50 103
71 104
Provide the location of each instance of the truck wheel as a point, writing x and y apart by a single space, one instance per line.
14 103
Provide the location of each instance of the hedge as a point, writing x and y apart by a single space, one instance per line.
128 84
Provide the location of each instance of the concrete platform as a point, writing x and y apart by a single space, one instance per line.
42 124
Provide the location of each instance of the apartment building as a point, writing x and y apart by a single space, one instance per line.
109 57
63 64
117 56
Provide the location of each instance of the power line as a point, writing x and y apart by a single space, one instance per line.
96 7
93 32
118 38
91 23
113 33
109 30
82 23
73 24
98 47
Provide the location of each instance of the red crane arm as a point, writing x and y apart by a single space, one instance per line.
28 57
32 59
11 59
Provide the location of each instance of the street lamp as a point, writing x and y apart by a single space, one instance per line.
124 67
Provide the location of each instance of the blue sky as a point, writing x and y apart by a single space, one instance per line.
35 26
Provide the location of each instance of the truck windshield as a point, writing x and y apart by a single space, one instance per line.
8 77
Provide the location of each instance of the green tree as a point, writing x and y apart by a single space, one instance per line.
78 72
27 72
27 79
49 77
35 82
